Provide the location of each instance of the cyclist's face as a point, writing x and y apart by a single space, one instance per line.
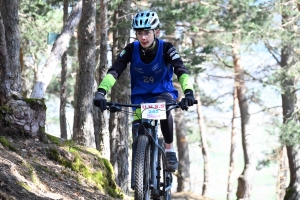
145 37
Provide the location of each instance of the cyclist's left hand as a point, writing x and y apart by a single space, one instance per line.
188 100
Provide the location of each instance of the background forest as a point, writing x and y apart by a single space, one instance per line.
241 141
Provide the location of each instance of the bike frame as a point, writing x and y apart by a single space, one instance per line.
151 130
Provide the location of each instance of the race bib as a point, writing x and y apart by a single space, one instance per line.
153 110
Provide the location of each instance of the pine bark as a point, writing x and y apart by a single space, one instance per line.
204 148
5 93
289 100
9 12
288 108
119 123
18 114
245 179
101 125
233 144
63 84
282 173
183 172
83 128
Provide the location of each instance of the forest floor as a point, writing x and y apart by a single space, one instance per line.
27 173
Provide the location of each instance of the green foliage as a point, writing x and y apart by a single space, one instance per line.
289 192
3 111
54 140
37 19
193 58
103 179
36 103
31 171
6 144
24 185
290 132
113 5
172 12
270 158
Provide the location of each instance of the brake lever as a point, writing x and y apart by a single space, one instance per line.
114 108
186 107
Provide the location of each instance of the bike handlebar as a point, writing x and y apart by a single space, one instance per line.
117 108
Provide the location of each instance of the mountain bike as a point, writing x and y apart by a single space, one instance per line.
149 177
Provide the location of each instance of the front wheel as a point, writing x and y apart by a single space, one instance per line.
142 169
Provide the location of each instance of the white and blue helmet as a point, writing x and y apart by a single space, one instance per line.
146 20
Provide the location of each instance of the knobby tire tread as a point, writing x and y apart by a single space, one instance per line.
142 164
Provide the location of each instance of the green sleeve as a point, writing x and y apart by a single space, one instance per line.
107 82
185 82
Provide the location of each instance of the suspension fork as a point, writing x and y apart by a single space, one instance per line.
154 159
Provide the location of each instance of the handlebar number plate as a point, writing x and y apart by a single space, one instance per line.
153 110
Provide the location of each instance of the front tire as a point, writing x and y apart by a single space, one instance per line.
142 169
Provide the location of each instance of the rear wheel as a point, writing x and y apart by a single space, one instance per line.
142 169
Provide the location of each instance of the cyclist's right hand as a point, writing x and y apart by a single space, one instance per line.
100 101
188 100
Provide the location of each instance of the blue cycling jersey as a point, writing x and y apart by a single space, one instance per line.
150 80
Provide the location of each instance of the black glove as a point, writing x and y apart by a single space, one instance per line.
100 101
188 100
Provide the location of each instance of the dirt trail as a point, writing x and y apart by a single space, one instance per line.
188 196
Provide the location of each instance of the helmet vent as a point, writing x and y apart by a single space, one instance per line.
145 20
154 21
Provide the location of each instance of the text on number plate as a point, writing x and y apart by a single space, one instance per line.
153 110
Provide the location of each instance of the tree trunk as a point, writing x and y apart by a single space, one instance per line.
101 126
204 147
9 12
113 120
245 179
59 47
5 93
63 84
233 143
288 108
83 128
119 123
289 100
25 116
183 172
18 115
282 173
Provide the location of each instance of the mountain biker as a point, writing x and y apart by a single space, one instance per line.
152 64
